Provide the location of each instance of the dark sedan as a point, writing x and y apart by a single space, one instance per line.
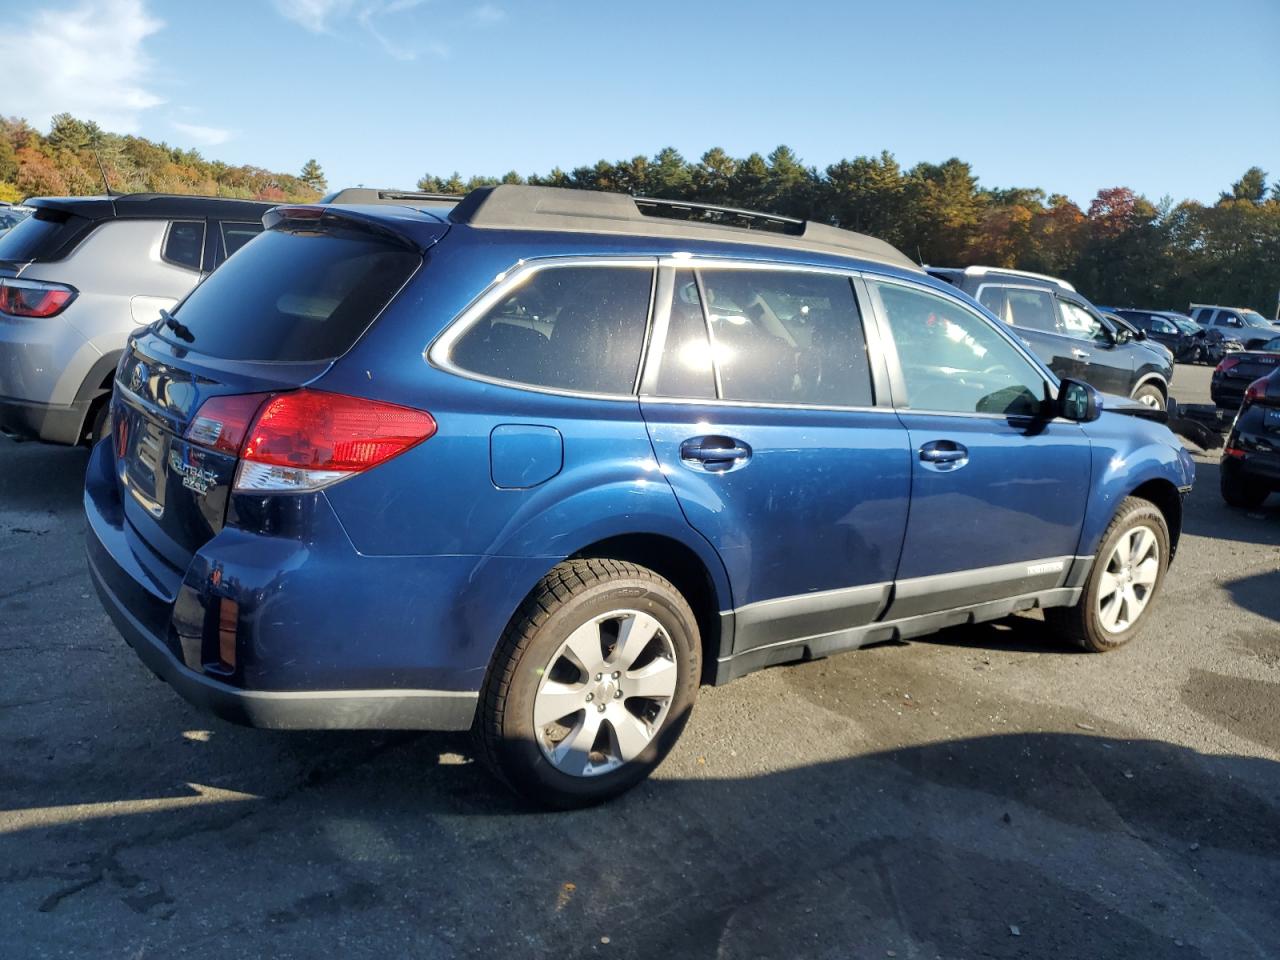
1233 375
1251 458
1185 339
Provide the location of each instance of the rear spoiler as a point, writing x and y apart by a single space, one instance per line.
406 229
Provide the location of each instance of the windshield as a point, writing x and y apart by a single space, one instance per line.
1255 319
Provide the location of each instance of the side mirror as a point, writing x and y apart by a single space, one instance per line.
1121 335
1079 402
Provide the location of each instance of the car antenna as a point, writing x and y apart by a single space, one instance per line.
918 257
106 184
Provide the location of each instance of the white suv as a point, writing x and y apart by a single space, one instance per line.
80 273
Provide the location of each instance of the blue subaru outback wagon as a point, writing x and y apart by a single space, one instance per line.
541 463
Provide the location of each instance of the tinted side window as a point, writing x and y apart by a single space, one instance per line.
574 328
782 336
1080 323
236 235
952 360
685 369
1032 309
993 299
1159 325
184 243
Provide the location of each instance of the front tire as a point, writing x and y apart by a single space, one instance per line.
1126 576
1150 395
591 685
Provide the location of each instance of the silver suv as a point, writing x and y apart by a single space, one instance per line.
80 273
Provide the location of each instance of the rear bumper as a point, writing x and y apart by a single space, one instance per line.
307 659
26 420
291 709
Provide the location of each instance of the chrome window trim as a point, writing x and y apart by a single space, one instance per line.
438 352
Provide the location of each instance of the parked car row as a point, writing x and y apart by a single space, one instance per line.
12 214
540 462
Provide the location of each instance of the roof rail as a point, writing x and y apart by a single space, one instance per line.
402 197
521 207
979 271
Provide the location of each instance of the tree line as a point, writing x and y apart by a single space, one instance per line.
1122 249
66 162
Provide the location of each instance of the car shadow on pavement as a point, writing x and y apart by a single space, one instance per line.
1258 594
47 479
1206 514
1023 845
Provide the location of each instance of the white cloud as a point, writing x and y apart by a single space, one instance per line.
209 136
488 13
372 16
85 59
314 15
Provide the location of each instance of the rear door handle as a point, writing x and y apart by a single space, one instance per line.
714 454
943 455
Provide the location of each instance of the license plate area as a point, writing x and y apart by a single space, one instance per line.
1272 420
143 471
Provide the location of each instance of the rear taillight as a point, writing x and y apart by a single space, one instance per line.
306 439
223 422
34 298
1226 364
1256 392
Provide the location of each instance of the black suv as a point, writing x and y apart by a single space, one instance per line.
1185 338
1067 332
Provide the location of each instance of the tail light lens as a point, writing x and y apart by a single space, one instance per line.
1256 392
1226 364
306 439
34 298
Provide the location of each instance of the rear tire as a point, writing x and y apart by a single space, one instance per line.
1126 576
1241 492
1150 395
605 656
100 422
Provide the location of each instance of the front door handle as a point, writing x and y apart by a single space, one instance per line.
944 455
714 454
1080 354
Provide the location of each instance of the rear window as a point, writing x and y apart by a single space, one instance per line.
45 235
294 296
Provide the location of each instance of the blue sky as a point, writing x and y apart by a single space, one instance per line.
1171 97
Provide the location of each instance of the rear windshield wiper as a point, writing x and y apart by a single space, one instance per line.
177 326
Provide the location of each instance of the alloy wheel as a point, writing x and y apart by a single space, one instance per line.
1128 579
605 693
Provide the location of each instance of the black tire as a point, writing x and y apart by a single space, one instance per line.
99 422
570 595
1241 492
1082 624
1149 392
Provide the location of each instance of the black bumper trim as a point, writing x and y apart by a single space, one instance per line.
25 420
292 710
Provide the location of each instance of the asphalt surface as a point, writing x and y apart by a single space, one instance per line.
984 794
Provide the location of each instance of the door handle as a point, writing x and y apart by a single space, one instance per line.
943 455
714 454
1080 354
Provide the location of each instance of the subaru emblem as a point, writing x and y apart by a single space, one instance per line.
139 374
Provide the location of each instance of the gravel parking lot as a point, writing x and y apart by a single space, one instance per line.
982 794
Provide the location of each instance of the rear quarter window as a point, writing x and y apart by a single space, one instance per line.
184 244
294 296
575 328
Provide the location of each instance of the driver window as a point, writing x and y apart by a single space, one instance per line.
1080 323
1163 326
952 360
